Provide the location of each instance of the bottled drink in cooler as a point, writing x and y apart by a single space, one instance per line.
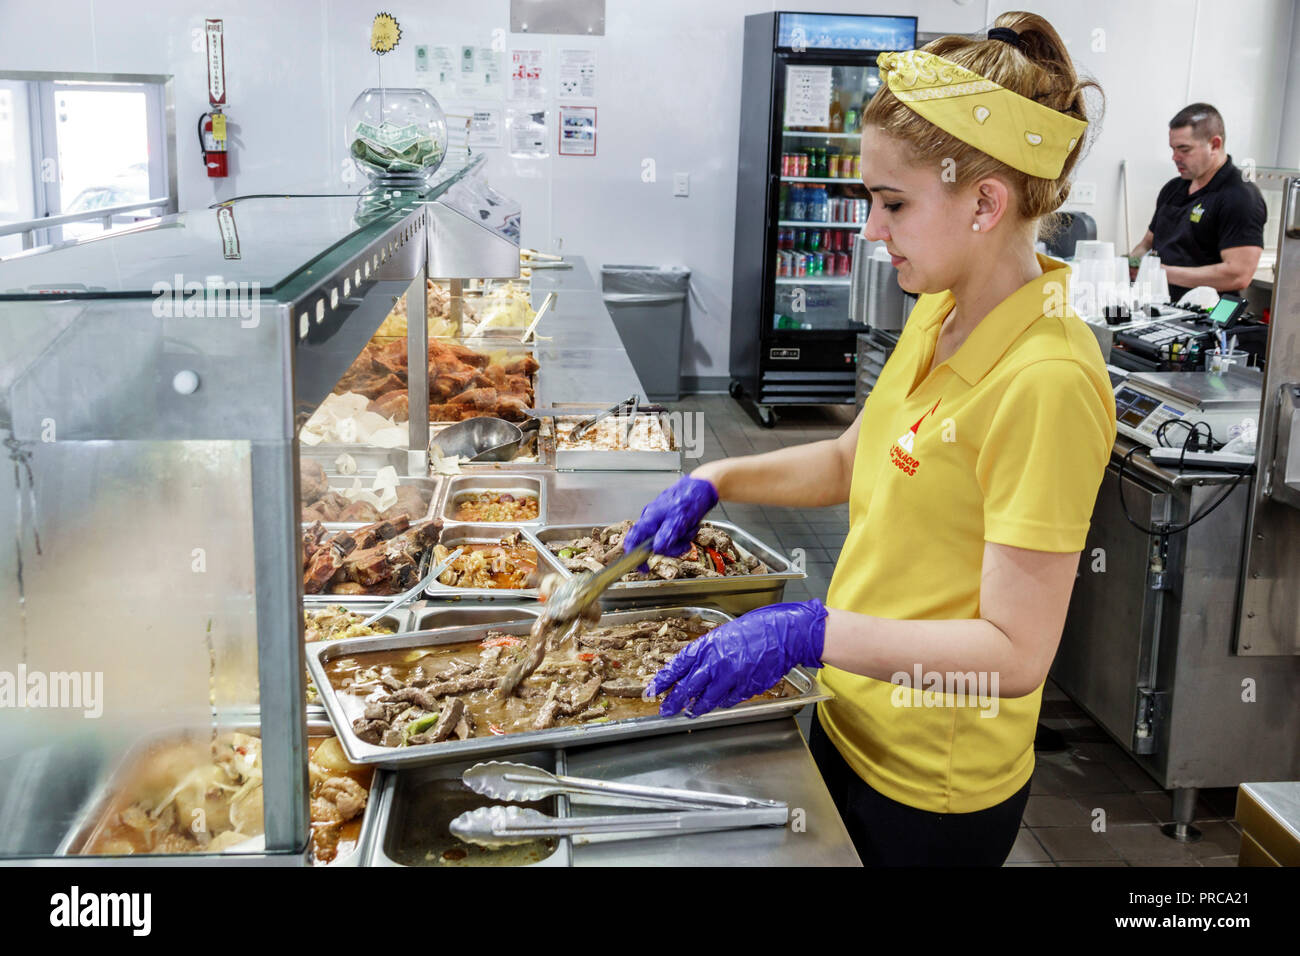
837 114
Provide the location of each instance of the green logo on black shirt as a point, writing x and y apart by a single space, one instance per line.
1197 211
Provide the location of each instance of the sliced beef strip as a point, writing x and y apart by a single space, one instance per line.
460 685
582 696
421 698
546 716
623 687
602 642
453 709
371 731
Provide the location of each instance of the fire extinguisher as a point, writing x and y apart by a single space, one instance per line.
212 141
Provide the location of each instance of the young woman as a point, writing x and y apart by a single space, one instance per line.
971 473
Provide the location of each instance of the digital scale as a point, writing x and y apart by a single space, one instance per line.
1146 400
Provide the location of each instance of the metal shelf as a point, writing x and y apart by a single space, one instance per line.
820 225
822 179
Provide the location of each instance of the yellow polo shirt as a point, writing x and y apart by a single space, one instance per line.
1006 441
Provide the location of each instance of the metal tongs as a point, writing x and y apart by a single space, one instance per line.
627 406
693 811
416 590
565 608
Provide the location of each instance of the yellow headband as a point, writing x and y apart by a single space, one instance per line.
1011 128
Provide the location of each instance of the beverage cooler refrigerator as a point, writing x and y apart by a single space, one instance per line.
800 202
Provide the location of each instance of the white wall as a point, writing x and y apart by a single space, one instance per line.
668 90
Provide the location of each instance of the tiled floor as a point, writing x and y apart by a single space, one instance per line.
1089 805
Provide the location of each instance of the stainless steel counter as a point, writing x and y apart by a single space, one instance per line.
768 760
582 356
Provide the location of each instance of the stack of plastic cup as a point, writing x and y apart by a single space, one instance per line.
1152 286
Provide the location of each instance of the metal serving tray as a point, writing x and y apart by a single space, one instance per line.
400 621
462 486
736 594
456 535
339 482
395 821
97 806
362 602
434 617
359 751
616 459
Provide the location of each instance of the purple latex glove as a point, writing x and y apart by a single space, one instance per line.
671 520
742 658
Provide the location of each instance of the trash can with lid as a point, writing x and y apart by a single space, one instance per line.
648 305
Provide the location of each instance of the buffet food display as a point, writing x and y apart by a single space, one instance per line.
713 554
639 442
500 308
463 383
508 564
426 695
335 622
374 560
496 506
342 499
617 433
203 794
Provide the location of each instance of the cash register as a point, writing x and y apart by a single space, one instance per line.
1179 338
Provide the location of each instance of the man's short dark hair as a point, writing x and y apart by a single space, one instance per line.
1206 122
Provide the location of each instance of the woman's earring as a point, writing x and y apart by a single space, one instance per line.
975 226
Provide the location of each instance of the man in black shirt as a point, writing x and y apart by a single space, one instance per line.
1208 228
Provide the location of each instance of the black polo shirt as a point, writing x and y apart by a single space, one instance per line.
1190 230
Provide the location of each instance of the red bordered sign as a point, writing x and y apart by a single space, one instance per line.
216 62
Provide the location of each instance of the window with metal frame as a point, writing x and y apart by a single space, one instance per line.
81 154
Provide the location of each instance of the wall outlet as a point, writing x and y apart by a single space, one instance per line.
681 184
1084 193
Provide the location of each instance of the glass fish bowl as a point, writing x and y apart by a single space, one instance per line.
396 136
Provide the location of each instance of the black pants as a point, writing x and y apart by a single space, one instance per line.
888 833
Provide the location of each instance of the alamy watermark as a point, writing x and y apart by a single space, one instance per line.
211 299
651 431
55 690
948 689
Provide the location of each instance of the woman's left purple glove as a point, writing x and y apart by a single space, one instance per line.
742 658
670 521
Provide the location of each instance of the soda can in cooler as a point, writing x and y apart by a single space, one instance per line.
801 164
833 166
857 166
800 265
842 267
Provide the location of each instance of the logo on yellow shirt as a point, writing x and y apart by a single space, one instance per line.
900 453
1197 211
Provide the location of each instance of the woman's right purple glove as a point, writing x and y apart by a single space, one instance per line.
671 520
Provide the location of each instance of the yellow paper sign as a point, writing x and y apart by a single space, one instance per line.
384 33
218 126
